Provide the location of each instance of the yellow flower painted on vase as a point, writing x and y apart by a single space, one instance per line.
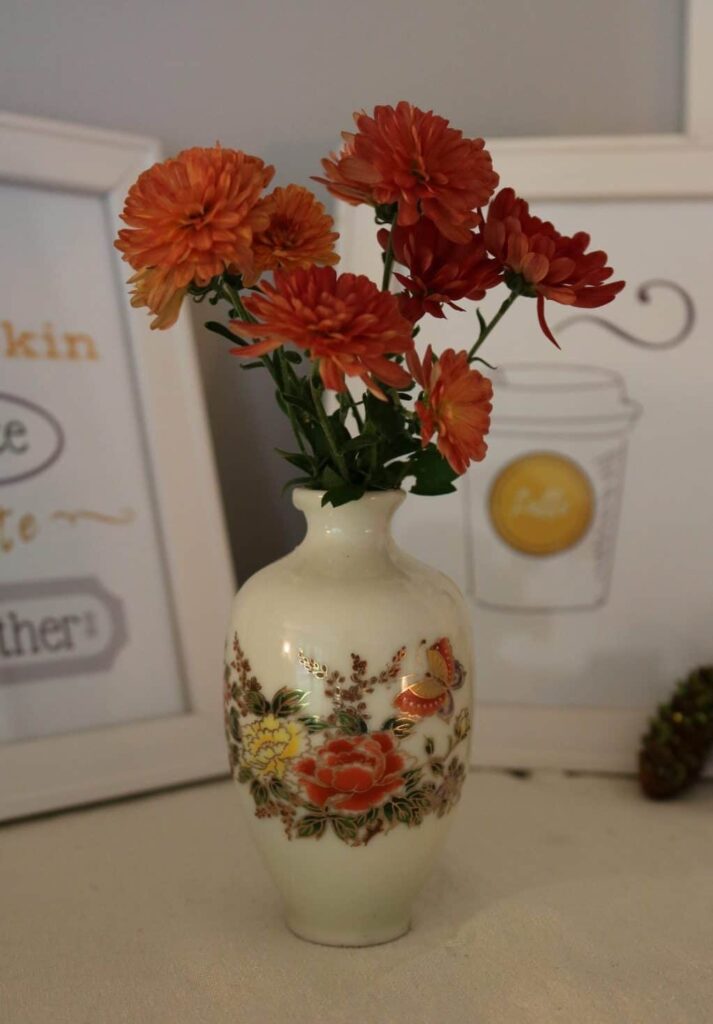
269 743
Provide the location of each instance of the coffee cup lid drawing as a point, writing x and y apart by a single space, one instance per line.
572 400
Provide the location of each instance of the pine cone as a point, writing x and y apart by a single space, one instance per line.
679 738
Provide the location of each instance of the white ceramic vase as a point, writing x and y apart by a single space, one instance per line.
347 708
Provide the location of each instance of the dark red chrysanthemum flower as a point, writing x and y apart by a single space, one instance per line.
414 158
439 271
544 263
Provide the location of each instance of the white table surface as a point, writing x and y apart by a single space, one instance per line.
560 899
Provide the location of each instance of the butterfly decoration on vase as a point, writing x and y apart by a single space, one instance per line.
431 693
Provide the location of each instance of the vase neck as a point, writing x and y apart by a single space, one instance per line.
358 530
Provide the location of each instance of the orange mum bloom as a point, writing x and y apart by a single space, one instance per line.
549 265
456 406
439 271
195 215
156 289
343 321
299 232
412 157
338 181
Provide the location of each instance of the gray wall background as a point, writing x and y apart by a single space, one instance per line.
281 80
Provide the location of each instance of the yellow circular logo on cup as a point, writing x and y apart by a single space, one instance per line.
542 503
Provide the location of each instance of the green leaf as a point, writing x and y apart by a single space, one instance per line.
389 811
351 723
342 495
244 774
300 404
279 789
257 703
481 321
383 415
234 725
260 793
412 779
403 445
433 473
311 825
298 481
421 799
252 366
437 766
288 702
403 809
313 723
345 829
224 332
330 478
291 356
357 443
298 459
429 745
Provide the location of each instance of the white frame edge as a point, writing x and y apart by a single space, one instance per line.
71 769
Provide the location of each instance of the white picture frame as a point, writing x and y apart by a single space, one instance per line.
528 736
75 768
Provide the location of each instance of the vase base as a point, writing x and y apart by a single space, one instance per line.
346 938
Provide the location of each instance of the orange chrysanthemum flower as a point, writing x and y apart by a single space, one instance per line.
299 233
155 289
195 215
439 271
543 262
456 406
342 320
414 158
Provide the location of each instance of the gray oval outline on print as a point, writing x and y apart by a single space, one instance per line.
53 422
102 660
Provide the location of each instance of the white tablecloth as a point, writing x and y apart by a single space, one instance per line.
560 899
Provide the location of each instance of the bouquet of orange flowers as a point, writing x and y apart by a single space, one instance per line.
201 225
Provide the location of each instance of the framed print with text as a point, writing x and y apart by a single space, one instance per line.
115 577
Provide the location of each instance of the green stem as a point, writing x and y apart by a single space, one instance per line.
496 319
407 413
279 368
339 460
234 297
286 371
231 296
389 256
353 407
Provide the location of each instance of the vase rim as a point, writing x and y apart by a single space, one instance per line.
307 499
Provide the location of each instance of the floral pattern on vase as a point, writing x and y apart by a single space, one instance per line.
334 773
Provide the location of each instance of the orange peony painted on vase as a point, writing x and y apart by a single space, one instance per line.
353 773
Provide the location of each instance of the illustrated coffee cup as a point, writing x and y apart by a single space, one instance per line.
544 505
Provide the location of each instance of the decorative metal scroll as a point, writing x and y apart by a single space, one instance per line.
643 294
